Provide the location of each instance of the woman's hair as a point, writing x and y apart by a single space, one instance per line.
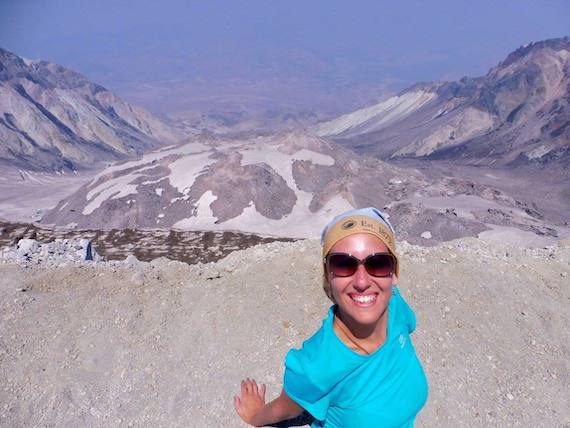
364 220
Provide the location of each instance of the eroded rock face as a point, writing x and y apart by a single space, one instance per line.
237 186
518 114
52 118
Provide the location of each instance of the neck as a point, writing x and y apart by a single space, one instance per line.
365 337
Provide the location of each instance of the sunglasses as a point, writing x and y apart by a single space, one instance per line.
380 265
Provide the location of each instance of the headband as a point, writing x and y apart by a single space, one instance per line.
364 220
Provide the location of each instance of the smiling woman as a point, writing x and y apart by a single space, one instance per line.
360 368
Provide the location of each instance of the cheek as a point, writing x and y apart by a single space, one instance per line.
337 284
387 284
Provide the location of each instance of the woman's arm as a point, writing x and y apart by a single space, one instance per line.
251 407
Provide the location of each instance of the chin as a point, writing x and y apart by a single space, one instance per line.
367 312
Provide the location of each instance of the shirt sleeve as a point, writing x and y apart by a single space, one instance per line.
301 383
411 320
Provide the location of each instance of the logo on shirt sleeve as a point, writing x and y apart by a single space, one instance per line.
402 341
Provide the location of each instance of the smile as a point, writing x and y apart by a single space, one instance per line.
363 299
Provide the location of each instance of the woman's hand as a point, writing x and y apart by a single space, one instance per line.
250 401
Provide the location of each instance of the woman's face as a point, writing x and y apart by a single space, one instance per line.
361 297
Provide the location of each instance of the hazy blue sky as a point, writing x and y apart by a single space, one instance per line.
332 55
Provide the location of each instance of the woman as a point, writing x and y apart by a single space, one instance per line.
360 368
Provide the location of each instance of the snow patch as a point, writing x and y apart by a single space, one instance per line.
316 158
185 170
122 186
204 218
282 163
114 189
300 223
538 152
154 157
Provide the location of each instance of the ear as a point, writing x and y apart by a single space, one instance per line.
394 280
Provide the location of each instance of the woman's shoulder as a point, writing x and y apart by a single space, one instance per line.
314 347
311 372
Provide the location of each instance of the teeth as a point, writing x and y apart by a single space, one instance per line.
364 299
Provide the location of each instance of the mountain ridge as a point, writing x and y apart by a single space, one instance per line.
518 114
52 118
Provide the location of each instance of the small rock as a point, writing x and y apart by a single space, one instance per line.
27 246
87 251
426 234
131 260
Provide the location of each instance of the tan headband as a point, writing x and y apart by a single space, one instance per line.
351 226
358 224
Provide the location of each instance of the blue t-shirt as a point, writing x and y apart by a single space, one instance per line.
343 389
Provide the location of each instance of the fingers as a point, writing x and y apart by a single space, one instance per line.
249 387
262 391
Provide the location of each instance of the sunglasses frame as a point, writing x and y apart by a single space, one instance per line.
361 262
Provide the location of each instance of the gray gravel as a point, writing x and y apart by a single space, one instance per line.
166 344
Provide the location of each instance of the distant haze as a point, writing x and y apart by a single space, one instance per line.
267 55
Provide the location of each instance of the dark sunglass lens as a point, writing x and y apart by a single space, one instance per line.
342 265
379 265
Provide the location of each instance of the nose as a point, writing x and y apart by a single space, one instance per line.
361 279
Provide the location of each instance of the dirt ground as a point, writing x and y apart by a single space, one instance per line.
165 344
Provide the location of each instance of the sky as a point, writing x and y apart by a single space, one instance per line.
299 55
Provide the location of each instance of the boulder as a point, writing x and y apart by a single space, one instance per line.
27 246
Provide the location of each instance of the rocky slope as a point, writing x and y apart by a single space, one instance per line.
284 185
288 185
517 114
144 245
166 344
52 118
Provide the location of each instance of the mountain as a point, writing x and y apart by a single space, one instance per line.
285 185
517 114
52 118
